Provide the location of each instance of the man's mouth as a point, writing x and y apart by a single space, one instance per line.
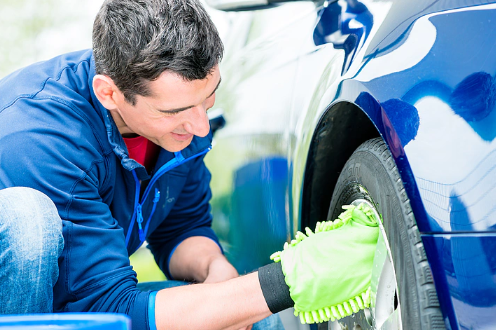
181 137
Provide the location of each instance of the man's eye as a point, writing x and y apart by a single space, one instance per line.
171 113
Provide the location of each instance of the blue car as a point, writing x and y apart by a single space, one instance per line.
391 103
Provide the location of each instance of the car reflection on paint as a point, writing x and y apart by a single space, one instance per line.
387 102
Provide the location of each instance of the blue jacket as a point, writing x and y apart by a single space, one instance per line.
57 138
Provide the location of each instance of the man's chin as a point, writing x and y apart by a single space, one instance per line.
175 146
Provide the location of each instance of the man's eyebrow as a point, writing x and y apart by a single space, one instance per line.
186 108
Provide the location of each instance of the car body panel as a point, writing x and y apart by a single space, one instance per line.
300 96
465 267
459 159
430 161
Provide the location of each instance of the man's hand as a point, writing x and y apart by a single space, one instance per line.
220 270
199 258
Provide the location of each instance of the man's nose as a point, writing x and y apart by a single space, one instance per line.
197 122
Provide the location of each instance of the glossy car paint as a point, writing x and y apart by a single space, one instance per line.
301 92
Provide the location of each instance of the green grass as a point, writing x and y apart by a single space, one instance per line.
146 268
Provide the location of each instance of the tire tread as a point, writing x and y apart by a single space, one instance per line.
431 316
429 303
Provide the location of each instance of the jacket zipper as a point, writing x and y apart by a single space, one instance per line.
137 213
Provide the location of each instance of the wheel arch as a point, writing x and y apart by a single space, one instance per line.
341 129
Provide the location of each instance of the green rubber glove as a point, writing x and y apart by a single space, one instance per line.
328 272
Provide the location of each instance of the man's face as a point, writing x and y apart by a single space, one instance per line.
175 111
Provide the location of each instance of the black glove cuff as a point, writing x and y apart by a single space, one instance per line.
274 287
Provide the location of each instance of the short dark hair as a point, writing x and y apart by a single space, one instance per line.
134 41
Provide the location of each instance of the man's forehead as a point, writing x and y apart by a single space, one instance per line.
173 93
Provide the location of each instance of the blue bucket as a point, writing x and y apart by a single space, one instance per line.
66 321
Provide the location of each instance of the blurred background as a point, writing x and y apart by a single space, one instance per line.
32 31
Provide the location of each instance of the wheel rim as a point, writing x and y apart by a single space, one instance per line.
384 312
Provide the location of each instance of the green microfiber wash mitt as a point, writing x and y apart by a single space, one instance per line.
347 244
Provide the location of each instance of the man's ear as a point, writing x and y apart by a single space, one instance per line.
105 91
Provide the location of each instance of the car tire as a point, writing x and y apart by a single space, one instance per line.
371 175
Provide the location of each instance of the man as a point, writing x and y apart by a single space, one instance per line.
75 202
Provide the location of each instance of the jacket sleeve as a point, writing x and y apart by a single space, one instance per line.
190 216
59 156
